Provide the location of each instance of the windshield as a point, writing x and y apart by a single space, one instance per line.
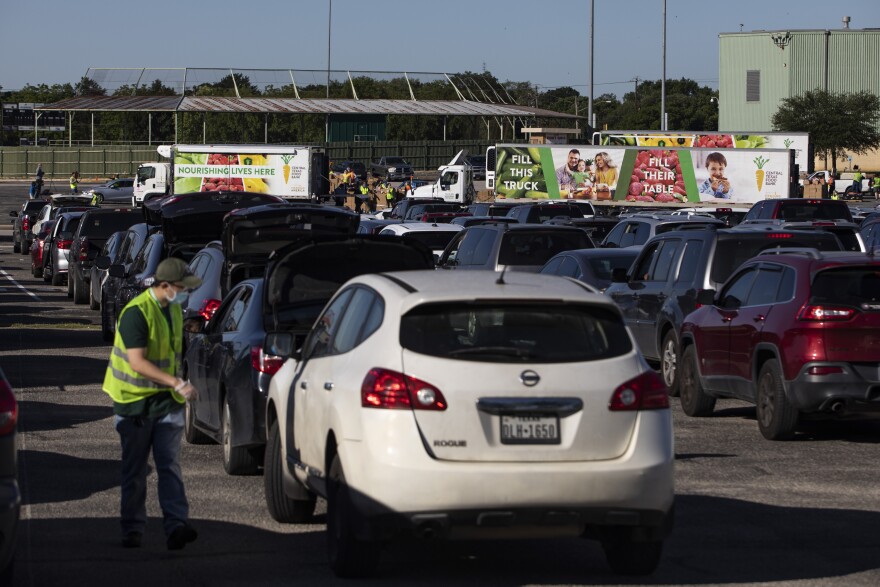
536 248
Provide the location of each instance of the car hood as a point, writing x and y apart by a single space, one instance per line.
251 235
302 277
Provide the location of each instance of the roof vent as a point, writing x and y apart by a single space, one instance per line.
846 22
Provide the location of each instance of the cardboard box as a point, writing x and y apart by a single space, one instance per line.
813 190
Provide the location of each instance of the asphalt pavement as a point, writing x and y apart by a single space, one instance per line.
749 511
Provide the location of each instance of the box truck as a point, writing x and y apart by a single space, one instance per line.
290 172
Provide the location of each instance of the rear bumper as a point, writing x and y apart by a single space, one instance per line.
10 506
855 390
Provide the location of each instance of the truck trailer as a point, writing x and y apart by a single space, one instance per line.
290 172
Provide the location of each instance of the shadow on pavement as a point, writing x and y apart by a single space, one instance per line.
29 371
44 416
50 478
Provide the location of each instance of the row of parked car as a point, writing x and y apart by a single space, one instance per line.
346 355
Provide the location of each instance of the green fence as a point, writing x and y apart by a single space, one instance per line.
101 162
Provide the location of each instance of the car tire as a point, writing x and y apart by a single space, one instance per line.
669 363
777 418
47 273
628 557
348 556
282 508
192 434
24 248
99 199
694 400
106 325
94 304
58 279
16 246
237 460
36 271
80 295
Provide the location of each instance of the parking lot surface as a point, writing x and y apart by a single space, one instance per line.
748 511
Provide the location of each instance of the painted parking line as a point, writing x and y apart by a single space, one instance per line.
20 286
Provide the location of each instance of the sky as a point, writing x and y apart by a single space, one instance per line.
544 42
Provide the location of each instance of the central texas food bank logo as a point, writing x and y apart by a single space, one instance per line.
285 169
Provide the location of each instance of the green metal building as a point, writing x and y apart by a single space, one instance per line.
760 68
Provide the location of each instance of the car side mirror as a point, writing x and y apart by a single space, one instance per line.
194 324
619 275
14 214
706 297
117 271
103 262
280 344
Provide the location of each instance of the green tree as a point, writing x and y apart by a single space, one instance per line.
836 122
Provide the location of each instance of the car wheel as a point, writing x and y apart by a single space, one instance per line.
58 278
192 434
237 460
23 247
628 557
106 325
349 557
99 199
777 418
47 273
35 270
16 246
282 508
694 401
94 303
80 295
669 362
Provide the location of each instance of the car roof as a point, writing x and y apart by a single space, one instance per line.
632 251
418 287
814 257
405 227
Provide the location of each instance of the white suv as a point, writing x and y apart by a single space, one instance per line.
471 405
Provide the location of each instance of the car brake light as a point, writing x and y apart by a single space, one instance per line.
8 408
383 388
208 308
780 235
25 223
64 244
825 313
824 370
645 392
84 249
265 363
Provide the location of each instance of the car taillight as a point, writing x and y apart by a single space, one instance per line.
8 408
819 313
64 244
780 235
824 370
383 388
265 363
25 223
208 308
645 392
84 249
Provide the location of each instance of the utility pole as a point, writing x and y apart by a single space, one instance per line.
663 80
637 80
590 103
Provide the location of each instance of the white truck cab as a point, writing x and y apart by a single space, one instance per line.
455 184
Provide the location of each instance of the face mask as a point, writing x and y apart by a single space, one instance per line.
178 297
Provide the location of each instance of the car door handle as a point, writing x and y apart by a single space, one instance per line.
759 318
328 385
303 385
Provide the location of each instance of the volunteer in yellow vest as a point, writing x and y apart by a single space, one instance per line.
74 182
148 402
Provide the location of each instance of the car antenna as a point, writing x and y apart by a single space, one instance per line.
500 280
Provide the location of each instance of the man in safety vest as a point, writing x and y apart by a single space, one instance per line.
389 195
148 399
74 182
362 197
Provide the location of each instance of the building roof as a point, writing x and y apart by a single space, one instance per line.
297 106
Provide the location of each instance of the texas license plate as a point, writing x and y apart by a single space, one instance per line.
529 430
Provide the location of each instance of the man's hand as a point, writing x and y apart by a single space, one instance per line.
186 389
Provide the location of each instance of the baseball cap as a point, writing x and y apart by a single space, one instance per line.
174 270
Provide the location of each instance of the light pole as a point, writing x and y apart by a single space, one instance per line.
663 80
590 102
329 28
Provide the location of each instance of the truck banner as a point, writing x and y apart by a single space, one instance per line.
800 142
284 175
634 174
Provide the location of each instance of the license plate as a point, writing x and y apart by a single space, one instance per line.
529 430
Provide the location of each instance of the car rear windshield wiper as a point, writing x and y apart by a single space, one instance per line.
503 351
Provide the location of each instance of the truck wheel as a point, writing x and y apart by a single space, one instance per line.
282 508
694 401
777 418
80 295
349 557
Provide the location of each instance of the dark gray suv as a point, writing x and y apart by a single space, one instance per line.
661 287
518 247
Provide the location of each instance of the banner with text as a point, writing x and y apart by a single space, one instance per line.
284 175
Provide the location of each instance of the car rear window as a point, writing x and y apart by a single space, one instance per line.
103 225
734 250
540 214
498 331
537 247
604 266
853 286
826 210
433 239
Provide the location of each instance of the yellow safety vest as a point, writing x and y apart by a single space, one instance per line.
121 382
364 190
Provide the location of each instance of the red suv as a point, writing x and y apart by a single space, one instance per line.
796 332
